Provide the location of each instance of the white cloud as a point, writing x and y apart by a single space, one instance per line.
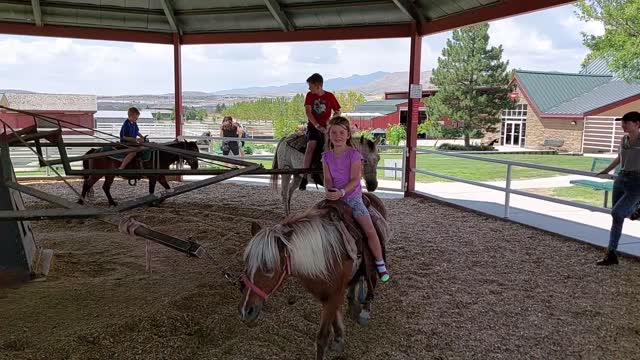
534 46
572 23
518 37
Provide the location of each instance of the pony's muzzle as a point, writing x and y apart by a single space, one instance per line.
249 314
372 185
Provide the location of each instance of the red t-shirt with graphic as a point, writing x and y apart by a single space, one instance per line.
322 106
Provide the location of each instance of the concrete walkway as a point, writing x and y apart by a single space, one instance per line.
580 224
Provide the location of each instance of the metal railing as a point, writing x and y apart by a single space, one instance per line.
26 161
508 179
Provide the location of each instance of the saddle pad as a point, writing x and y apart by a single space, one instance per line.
297 141
145 155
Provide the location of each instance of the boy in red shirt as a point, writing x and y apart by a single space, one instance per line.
318 106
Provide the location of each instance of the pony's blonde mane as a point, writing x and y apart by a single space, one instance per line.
314 244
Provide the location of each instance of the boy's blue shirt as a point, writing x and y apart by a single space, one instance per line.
129 129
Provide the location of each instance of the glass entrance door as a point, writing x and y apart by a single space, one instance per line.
514 133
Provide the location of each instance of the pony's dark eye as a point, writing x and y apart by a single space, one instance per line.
241 286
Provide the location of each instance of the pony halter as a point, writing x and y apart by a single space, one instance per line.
286 270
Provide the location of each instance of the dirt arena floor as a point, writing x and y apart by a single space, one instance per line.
463 286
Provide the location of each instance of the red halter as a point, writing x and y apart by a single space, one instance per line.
286 270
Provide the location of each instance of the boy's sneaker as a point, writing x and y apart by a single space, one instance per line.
384 276
610 259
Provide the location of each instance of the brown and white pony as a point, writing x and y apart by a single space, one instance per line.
309 247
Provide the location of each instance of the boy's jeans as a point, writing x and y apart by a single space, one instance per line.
626 195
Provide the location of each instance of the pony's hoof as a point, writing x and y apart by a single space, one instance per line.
363 318
80 202
338 345
113 204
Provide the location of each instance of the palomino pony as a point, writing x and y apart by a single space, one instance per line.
287 157
165 160
312 247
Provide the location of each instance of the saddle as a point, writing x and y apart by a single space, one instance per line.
355 240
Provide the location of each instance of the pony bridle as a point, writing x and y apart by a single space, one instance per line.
286 271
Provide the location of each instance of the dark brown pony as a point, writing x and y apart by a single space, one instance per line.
165 160
310 247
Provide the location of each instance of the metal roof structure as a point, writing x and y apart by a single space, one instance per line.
51 102
604 95
598 66
380 106
550 89
238 21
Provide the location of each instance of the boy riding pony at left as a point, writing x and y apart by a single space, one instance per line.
129 133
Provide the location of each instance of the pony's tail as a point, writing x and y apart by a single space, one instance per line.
274 177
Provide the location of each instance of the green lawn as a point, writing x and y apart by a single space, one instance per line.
581 194
484 171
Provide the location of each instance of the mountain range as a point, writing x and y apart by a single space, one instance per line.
374 84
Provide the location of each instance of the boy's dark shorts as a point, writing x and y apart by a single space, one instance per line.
313 134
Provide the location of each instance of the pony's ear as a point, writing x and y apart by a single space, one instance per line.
255 228
371 145
377 141
362 139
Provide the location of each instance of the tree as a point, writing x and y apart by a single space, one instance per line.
395 134
472 81
349 100
620 44
192 113
432 129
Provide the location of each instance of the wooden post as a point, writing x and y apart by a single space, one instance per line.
20 258
413 112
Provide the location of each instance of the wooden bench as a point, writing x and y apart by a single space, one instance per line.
598 165
553 143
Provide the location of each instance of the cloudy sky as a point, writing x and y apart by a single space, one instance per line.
546 40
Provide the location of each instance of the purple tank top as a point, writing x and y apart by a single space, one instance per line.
340 169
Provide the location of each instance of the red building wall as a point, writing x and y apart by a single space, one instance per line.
76 120
378 122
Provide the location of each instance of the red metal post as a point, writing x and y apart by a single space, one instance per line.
177 74
413 113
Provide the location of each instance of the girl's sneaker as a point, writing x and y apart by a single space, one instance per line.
384 276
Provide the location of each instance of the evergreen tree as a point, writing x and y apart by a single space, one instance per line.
472 81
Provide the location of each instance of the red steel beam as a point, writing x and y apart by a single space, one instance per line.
85 33
413 113
491 12
177 75
348 33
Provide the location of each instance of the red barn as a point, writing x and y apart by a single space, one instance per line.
78 110
382 113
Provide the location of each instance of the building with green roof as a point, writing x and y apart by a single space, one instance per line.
573 112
